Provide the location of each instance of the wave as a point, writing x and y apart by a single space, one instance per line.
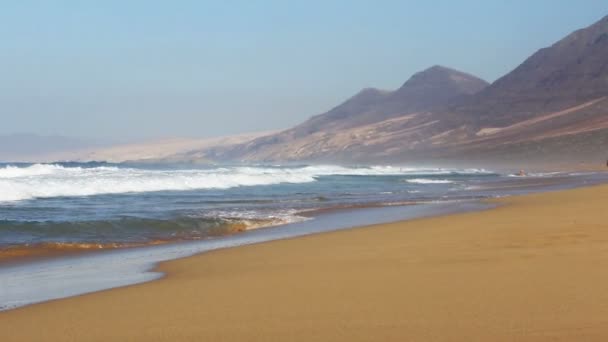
53 180
135 231
538 174
33 170
429 181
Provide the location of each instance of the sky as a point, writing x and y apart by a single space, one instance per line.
129 70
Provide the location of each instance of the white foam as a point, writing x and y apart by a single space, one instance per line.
428 181
536 174
44 181
34 170
259 219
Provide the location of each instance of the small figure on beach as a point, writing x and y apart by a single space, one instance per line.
521 173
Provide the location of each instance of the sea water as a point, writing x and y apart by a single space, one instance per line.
176 211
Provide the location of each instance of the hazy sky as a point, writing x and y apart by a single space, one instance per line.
142 69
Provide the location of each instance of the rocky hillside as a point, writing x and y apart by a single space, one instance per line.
369 117
559 92
428 89
571 72
554 106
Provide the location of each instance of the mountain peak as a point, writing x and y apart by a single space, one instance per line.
439 68
370 92
552 106
439 79
442 70
427 89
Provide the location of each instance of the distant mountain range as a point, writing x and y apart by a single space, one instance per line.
551 108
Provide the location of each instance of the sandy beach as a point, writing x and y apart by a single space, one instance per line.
532 269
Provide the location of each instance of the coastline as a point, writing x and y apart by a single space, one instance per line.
526 270
40 251
70 275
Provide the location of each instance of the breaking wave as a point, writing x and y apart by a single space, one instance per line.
428 181
132 231
52 180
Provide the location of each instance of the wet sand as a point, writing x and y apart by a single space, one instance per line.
530 270
20 254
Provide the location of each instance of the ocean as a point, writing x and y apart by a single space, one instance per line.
108 206
165 212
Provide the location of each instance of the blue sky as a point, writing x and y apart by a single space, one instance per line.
145 69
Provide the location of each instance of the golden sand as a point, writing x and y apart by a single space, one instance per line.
532 270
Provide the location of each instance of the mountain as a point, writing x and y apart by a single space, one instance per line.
551 109
570 72
557 94
345 126
425 90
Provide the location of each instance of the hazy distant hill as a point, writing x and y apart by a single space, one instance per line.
35 148
32 147
181 150
553 107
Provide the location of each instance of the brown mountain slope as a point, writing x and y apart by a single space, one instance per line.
570 72
332 132
552 106
545 107
428 89
549 137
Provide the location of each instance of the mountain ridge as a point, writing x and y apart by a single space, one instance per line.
553 99
570 71
430 88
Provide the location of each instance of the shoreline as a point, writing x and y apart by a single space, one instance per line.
27 253
70 274
71 264
525 270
